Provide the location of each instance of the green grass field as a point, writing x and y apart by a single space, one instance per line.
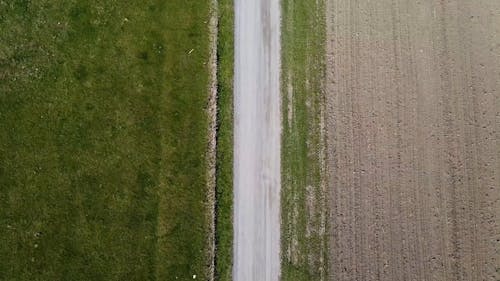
103 139
304 247
224 197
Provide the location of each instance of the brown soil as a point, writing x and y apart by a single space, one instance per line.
413 131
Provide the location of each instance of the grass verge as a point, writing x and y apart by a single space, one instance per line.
304 246
103 140
224 178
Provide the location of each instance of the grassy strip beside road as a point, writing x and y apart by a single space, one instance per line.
103 139
224 194
304 248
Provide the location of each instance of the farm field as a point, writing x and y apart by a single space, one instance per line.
391 159
103 140
413 130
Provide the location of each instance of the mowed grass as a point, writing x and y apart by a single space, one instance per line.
103 139
224 195
304 246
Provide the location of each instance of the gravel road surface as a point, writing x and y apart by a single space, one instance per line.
257 141
414 139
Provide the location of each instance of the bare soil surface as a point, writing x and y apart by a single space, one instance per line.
413 133
257 141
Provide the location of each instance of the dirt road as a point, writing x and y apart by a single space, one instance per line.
414 139
257 141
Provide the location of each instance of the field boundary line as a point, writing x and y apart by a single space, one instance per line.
212 138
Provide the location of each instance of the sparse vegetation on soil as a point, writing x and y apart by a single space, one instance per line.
304 248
